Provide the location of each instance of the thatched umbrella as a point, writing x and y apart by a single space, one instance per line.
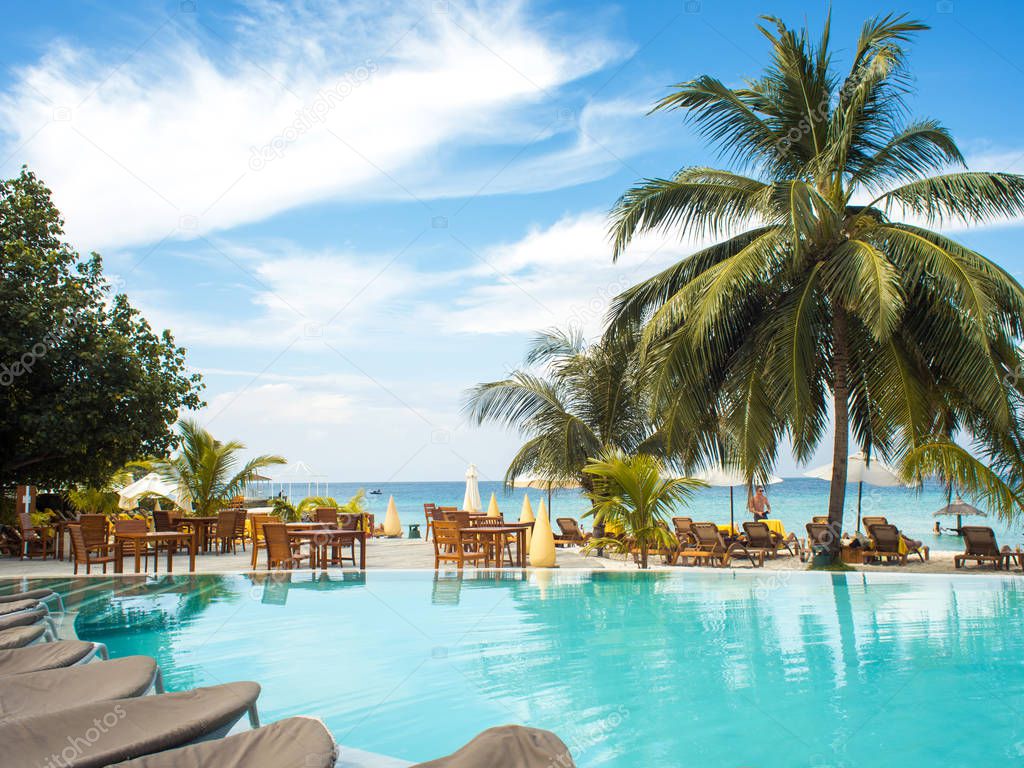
959 508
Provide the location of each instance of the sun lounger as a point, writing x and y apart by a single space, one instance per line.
27 619
35 658
17 606
38 693
298 742
760 537
123 729
571 534
711 547
888 542
981 547
39 595
508 746
19 637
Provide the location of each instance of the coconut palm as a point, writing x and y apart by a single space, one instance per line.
209 471
570 403
816 296
632 494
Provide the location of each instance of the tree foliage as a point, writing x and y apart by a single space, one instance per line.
817 300
86 384
570 402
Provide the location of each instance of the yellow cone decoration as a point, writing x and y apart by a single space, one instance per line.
526 516
492 508
542 544
392 525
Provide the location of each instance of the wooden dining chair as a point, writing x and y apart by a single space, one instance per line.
96 533
224 530
428 513
83 554
240 517
259 540
451 546
35 539
327 515
280 551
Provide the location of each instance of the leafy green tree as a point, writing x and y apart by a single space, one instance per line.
571 402
632 494
817 297
85 384
209 471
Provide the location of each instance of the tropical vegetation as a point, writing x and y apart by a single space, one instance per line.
85 384
633 495
830 293
570 402
295 512
210 472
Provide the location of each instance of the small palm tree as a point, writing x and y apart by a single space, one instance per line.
817 298
582 400
207 470
631 493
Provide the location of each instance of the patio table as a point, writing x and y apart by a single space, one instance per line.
154 537
202 527
321 538
494 537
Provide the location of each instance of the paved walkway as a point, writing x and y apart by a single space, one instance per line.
417 554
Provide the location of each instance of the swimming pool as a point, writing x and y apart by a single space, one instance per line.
630 669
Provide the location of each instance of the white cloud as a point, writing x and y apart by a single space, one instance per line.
556 276
345 102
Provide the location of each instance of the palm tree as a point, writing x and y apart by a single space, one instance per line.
208 470
633 494
816 295
583 400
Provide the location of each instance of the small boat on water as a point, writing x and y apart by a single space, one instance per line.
375 492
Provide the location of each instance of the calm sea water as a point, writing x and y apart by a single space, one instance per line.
794 501
630 669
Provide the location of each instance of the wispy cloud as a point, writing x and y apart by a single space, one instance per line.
193 133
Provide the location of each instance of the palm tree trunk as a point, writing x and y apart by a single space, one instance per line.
841 446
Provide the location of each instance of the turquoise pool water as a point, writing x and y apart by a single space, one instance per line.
673 669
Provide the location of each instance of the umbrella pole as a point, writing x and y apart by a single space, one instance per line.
732 523
860 492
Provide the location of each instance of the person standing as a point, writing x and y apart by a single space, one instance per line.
759 505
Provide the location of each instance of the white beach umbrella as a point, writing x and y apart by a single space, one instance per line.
721 477
861 469
151 485
471 501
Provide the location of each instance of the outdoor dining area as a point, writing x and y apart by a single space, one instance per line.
139 542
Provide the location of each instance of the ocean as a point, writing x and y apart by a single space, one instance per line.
794 501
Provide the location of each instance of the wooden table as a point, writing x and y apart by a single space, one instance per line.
495 537
321 538
154 537
202 527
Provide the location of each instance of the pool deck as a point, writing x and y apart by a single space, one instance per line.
417 554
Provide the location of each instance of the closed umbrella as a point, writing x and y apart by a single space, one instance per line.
720 477
860 470
471 501
960 508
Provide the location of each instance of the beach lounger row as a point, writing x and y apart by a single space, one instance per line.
65 703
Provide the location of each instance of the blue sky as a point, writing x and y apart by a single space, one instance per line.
350 215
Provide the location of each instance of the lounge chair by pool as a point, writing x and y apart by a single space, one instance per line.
38 693
39 595
508 746
19 637
981 547
571 533
758 536
298 742
131 727
35 658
